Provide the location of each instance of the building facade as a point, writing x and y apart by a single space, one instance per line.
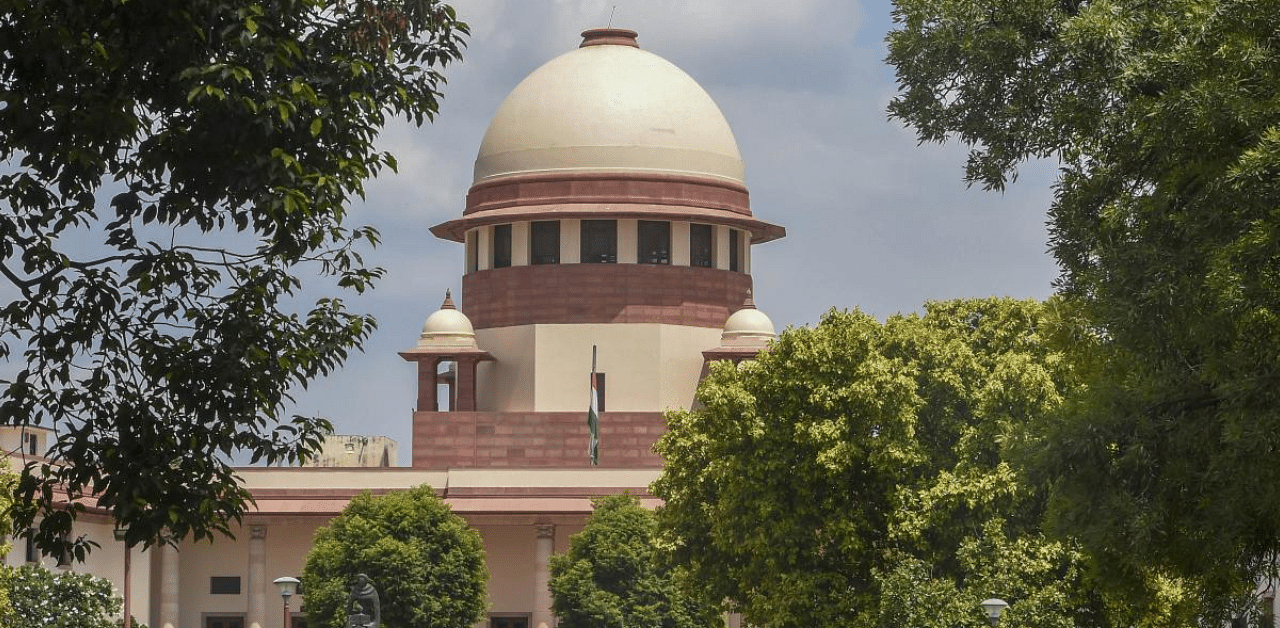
608 224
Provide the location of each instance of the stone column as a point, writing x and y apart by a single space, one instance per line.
427 384
543 547
465 393
255 588
169 581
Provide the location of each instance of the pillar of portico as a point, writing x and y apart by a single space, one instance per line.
169 606
544 545
256 615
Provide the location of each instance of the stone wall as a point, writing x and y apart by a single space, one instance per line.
443 440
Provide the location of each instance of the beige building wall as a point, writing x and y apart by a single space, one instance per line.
273 481
627 231
680 243
509 553
341 450
520 243
506 383
571 241
484 248
285 544
107 561
720 241
201 561
648 367
511 540
24 443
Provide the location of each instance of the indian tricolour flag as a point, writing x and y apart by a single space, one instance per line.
593 416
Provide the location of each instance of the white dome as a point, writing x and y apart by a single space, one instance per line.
447 327
748 327
609 107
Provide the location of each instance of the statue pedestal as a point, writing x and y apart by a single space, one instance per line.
357 620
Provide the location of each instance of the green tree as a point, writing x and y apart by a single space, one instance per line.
1165 121
7 482
613 576
858 474
64 599
427 564
174 169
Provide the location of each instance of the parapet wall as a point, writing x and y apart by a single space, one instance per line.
445 440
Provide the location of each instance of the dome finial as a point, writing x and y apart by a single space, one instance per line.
447 327
608 37
748 327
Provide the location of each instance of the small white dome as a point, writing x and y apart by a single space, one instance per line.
748 327
609 106
447 327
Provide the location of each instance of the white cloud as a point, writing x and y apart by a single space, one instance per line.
873 220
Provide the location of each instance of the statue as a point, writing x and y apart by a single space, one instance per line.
364 609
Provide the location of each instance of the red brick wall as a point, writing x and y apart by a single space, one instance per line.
533 439
609 188
603 293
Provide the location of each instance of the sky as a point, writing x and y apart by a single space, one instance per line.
874 220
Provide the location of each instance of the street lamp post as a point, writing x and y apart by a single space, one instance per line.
122 534
288 586
994 606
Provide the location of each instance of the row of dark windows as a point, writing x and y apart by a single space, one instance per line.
599 243
230 585
237 621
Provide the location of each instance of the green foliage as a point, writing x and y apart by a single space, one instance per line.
1165 220
858 474
63 599
427 564
7 482
612 577
174 169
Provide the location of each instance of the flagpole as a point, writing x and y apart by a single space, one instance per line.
593 416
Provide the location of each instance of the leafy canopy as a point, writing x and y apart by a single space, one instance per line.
41 598
859 473
7 482
612 575
427 564
1164 117
172 170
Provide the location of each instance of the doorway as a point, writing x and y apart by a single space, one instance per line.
223 621
508 621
